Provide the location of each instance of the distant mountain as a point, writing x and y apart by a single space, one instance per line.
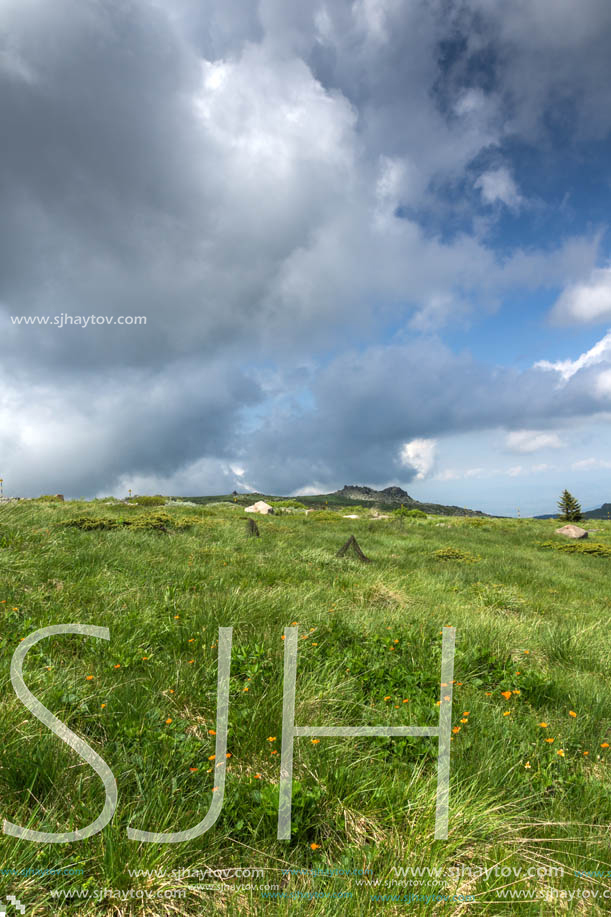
391 497
388 495
603 512
388 499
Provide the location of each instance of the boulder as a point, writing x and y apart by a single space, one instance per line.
260 507
572 531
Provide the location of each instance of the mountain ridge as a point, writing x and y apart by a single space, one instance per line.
388 499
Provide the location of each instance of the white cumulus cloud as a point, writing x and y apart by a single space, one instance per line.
499 185
589 301
420 454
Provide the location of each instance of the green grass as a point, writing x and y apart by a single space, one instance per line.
529 620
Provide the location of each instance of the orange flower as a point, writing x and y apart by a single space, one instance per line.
527 765
560 752
257 776
527 651
464 720
89 677
229 754
542 725
506 694
176 617
446 697
283 637
456 729
466 713
144 658
507 713
168 721
516 692
406 700
274 752
211 732
118 665
191 640
171 691
488 693
271 738
572 713
314 846
103 705
387 697
211 757
549 740
192 769
191 661
604 744
586 752
245 689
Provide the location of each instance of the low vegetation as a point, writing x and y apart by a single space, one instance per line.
530 717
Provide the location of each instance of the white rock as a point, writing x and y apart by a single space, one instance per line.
260 507
572 531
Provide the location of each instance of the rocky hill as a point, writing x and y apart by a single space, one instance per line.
392 497
350 495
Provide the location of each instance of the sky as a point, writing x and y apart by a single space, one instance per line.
370 241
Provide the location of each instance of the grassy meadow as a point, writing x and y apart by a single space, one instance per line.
529 782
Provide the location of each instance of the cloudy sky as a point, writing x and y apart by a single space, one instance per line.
370 240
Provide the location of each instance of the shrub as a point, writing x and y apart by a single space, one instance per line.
325 515
402 512
578 547
463 557
157 522
157 500
287 504
49 498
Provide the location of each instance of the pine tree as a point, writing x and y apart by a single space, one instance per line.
570 510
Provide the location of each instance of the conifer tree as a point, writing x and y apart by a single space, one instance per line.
570 510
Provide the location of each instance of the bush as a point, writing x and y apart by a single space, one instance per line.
402 512
578 547
287 504
49 498
463 557
157 522
157 500
325 515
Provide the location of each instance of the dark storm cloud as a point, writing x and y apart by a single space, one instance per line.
232 170
367 405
